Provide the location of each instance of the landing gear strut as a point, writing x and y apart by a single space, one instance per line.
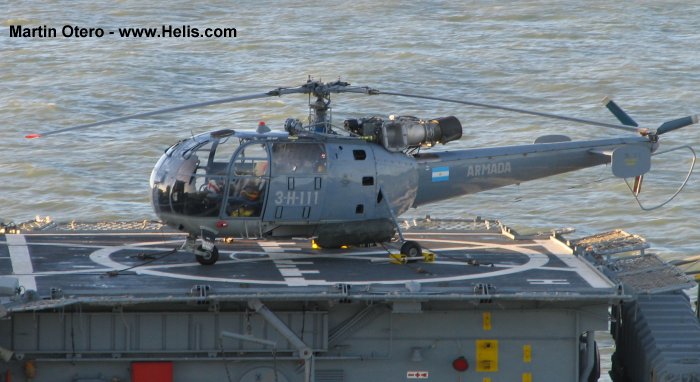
409 248
207 253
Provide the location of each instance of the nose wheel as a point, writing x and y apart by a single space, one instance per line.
205 253
207 256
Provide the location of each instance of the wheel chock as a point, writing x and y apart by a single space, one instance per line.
400 258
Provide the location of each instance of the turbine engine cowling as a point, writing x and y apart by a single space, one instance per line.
403 132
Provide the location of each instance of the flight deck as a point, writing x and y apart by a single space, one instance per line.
462 260
120 301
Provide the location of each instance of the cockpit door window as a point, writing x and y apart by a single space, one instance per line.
248 179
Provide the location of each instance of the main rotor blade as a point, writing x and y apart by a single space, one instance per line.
512 109
677 124
156 112
620 114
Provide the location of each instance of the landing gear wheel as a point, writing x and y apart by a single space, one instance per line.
411 249
205 257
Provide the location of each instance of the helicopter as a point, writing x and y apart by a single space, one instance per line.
345 186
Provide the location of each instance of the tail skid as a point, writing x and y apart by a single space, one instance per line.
635 188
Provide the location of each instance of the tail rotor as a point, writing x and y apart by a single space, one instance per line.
674 124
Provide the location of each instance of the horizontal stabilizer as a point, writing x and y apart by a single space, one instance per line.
630 161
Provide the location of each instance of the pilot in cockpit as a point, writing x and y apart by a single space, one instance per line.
247 191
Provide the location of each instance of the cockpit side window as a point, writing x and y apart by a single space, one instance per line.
248 181
223 150
298 158
252 160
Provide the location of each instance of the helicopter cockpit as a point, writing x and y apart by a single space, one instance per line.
224 173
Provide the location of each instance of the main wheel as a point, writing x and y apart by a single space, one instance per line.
205 257
411 249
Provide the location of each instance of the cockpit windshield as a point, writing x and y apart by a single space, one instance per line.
189 178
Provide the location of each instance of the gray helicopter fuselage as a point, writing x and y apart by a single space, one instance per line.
341 190
337 188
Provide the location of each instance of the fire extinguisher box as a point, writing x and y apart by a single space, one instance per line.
152 372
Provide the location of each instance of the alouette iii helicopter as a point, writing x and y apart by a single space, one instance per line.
346 186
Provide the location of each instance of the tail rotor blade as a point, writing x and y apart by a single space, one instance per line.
617 111
677 124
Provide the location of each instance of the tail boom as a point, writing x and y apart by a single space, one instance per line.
454 173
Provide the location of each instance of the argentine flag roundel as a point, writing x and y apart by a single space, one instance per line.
441 174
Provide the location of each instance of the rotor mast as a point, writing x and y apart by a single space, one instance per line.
320 117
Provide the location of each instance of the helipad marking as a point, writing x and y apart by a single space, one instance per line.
292 275
65 245
583 269
97 233
102 257
548 281
21 261
535 260
74 272
146 243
